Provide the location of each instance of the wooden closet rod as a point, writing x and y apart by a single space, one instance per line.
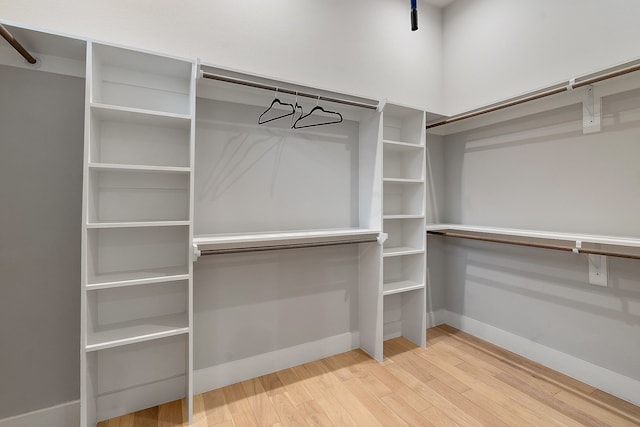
533 244
16 45
284 90
287 246
552 90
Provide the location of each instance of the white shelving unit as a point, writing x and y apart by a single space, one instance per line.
404 255
137 213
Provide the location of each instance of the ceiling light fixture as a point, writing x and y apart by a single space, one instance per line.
414 15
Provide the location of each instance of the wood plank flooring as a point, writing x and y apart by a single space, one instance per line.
457 380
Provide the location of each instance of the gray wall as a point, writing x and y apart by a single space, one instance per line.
544 296
41 146
254 303
541 172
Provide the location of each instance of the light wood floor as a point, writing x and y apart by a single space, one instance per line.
456 380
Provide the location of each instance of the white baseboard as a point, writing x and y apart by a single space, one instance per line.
436 317
64 415
617 384
262 364
391 330
394 329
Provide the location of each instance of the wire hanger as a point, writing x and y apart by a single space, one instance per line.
337 117
274 102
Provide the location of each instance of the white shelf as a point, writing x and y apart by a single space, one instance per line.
403 162
401 286
585 238
132 253
403 198
403 180
140 80
404 233
137 331
403 125
127 136
137 196
141 115
404 269
401 146
136 224
238 241
135 278
402 216
136 168
401 250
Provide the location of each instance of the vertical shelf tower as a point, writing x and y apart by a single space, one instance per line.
137 298
403 214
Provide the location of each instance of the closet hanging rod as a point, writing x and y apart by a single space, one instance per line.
242 82
534 244
552 90
287 246
16 45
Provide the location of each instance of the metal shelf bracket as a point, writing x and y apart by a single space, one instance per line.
591 112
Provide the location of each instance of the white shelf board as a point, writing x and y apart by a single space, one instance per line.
138 168
140 115
402 216
586 238
400 146
399 287
134 278
403 180
237 240
401 250
135 331
137 224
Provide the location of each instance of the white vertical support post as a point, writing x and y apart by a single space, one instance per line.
591 108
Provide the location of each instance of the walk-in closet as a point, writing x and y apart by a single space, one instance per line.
377 213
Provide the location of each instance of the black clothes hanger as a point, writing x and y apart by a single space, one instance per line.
337 118
274 102
295 109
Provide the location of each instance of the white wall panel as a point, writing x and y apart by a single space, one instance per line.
497 49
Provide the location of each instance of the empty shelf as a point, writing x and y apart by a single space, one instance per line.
399 287
401 250
617 246
136 224
143 277
400 145
138 168
144 115
137 331
225 243
402 216
403 180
